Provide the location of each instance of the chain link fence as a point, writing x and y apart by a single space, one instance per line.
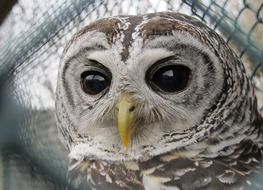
32 41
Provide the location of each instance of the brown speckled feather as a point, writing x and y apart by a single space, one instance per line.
173 171
221 150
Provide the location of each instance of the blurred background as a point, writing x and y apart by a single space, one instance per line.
32 37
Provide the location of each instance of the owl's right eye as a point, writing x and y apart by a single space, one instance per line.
94 82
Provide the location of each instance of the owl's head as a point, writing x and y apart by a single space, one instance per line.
132 87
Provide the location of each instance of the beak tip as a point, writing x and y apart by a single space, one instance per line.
125 143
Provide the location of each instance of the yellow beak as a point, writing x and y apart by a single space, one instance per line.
125 109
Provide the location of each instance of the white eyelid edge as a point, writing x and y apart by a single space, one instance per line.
102 57
153 55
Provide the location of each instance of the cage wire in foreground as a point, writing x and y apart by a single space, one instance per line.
32 40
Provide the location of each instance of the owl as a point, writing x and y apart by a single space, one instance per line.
157 102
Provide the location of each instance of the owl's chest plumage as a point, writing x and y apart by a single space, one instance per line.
172 171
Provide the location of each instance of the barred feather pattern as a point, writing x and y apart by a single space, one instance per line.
223 150
173 171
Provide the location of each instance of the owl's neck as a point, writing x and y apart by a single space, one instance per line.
229 139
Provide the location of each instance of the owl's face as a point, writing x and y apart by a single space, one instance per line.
134 87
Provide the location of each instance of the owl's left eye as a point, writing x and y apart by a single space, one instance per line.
169 78
94 82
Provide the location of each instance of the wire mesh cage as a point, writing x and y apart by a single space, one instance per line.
32 41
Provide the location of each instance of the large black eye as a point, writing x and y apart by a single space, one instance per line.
94 82
170 78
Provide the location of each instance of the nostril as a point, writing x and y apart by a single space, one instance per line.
132 108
